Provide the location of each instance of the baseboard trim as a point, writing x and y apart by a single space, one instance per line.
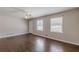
5 36
64 41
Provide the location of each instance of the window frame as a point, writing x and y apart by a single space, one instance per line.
39 25
54 31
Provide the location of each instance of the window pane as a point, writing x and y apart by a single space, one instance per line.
40 25
56 24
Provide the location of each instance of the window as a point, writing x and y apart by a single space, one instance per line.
40 25
56 25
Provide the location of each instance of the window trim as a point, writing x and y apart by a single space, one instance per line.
42 25
61 26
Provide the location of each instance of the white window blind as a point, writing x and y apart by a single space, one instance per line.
56 24
39 25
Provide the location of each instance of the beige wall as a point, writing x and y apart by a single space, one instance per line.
11 25
70 27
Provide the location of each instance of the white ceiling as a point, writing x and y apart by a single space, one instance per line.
35 11
41 11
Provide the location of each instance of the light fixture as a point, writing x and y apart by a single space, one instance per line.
28 15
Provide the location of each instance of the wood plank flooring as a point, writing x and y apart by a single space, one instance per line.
33 43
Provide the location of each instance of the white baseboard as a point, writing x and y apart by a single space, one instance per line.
40 35
58 39
4 36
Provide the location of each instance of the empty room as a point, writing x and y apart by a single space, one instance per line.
39 29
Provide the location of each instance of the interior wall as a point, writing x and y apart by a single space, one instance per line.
11 25
31 27
70 27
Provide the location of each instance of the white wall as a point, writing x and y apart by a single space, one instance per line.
31 26
70 27
11 25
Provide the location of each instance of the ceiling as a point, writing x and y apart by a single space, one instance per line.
34 11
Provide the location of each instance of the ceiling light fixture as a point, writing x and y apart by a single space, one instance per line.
28 15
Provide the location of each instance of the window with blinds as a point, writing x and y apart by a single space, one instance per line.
39 25
56 25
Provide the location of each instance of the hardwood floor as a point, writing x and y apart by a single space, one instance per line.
33 43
